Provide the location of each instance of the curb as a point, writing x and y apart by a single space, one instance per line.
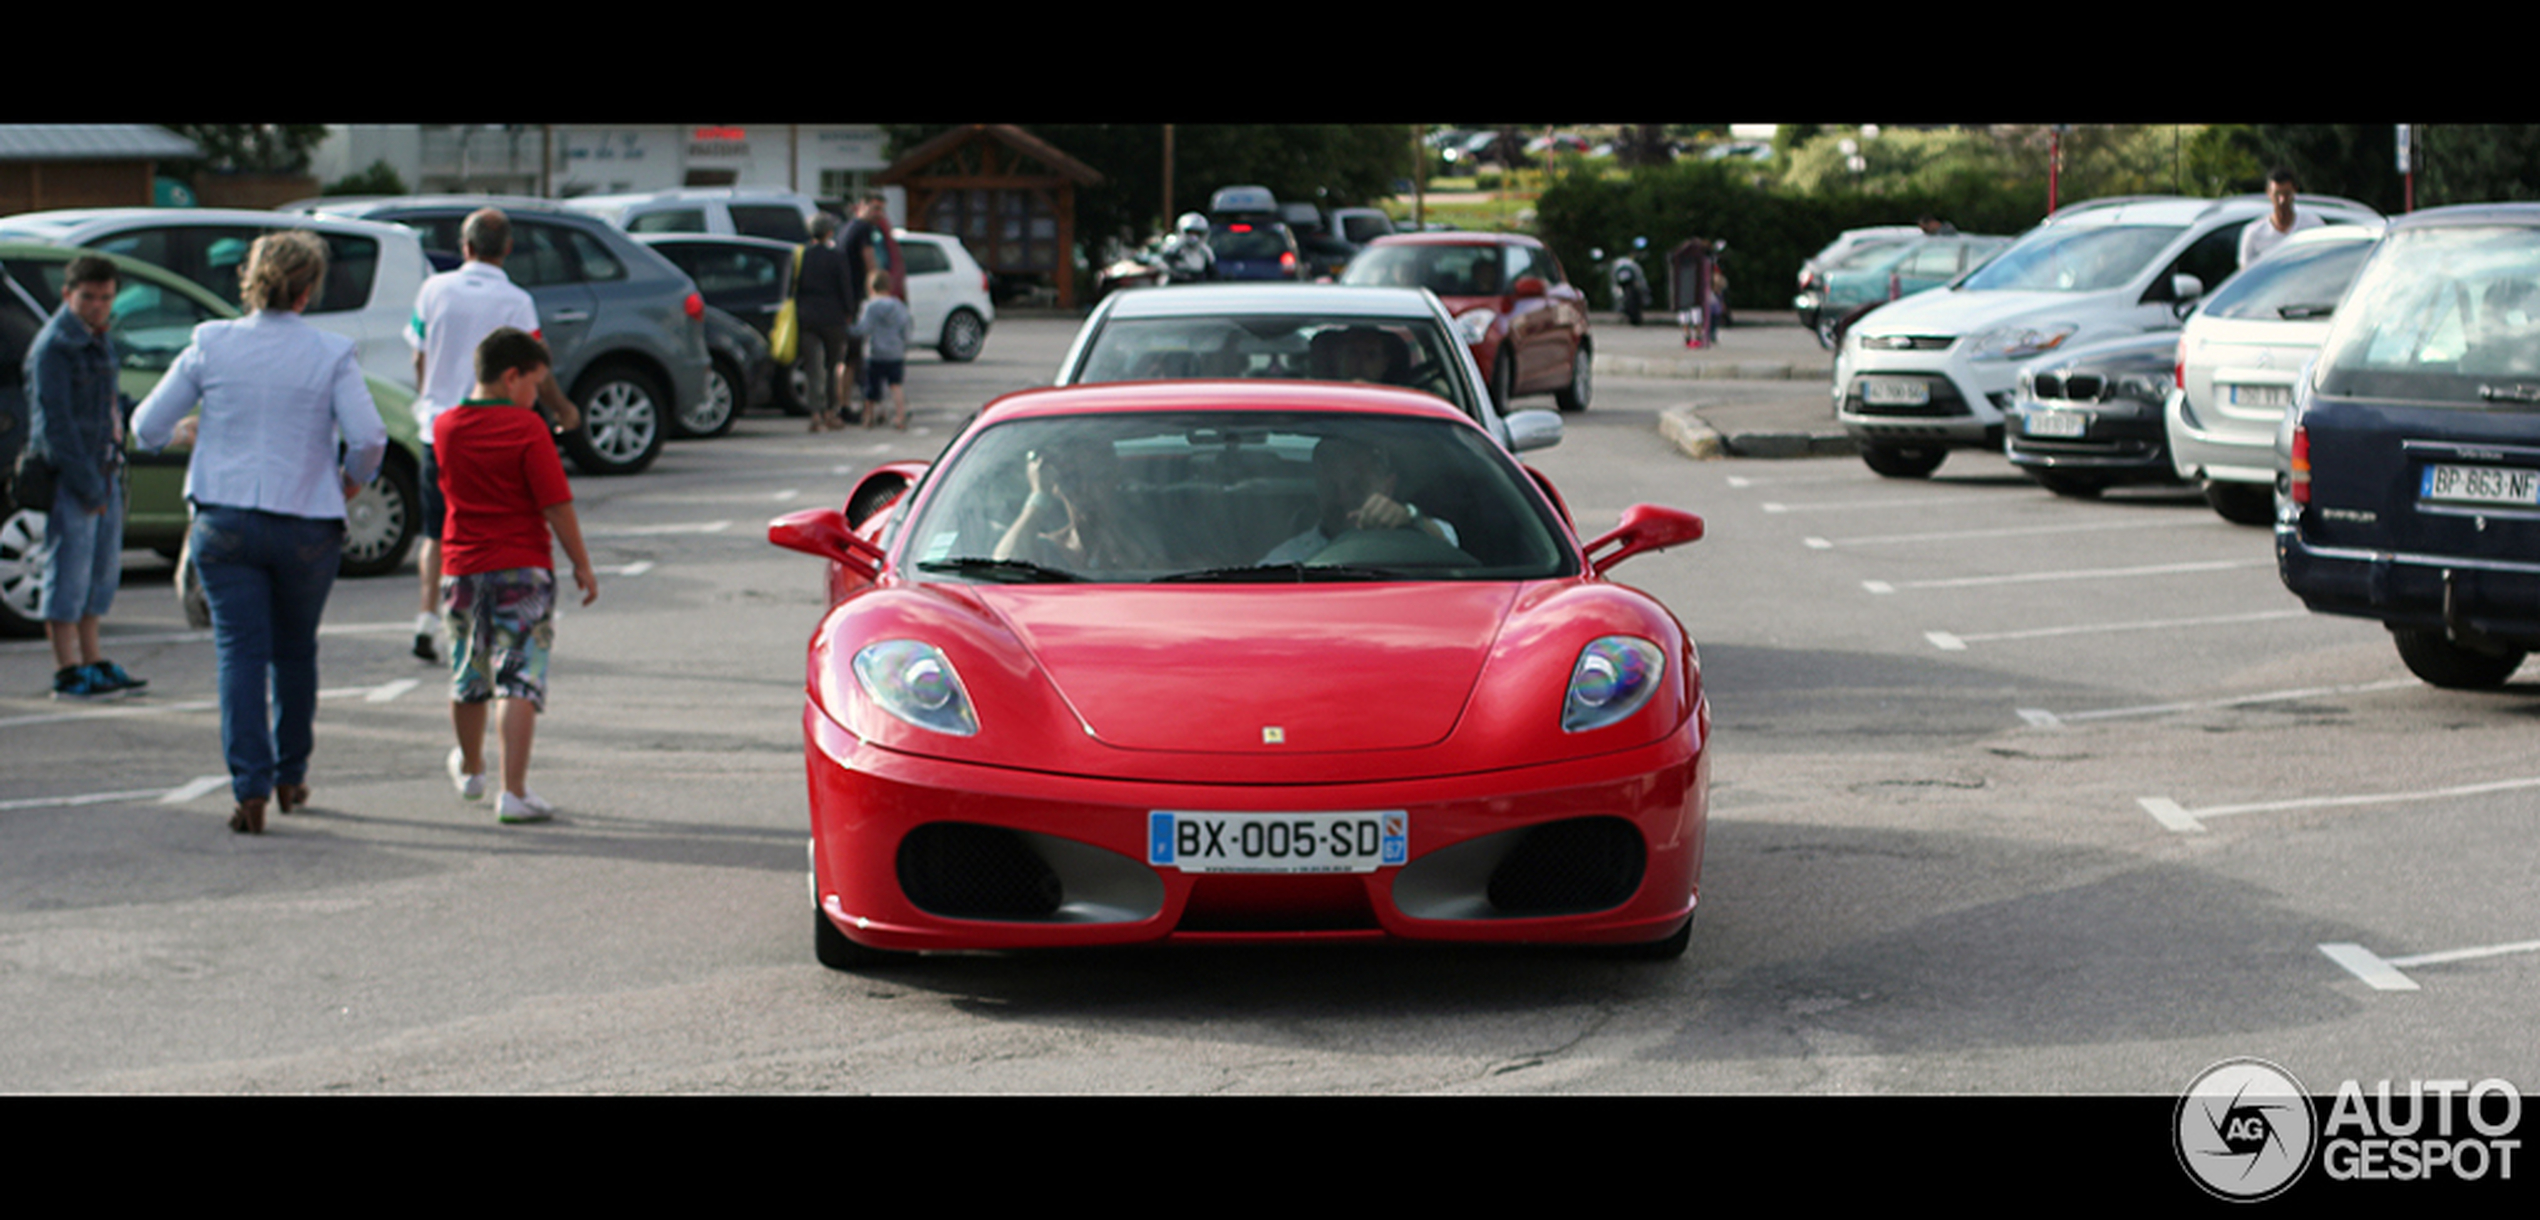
1707 370
1700 441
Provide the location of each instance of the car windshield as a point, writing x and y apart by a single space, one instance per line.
1416 353
1449 271
1232 497
2293 285
2084 258
2441 316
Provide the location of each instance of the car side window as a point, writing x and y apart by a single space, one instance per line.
923 258
676 220
2211 259
598 262
538 258
352 266
769 220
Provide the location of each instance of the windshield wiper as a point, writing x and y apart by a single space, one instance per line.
1010 571
1283 573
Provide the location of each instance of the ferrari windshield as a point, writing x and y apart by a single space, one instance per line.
1232 497
2078 258
1416 353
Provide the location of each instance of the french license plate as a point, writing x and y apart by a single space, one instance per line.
2057 423
1894 392
1278 842
2261 395
2482 484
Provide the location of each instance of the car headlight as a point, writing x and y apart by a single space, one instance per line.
2019 342
1614 678
915 682
1474 324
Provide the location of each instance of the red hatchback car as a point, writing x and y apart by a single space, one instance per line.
1525 321
1239 661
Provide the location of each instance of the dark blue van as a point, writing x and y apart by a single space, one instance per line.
2413 447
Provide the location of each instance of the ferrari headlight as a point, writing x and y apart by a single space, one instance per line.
1473 325
914 682
1614 678
2019 342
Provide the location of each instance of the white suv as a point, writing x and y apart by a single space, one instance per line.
728 210
1935 371
948 303
372 270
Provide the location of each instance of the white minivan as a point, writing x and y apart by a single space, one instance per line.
1936 371
372 273
727 210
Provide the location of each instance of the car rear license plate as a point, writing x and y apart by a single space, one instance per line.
2481 484
1894 392
1278 842
2261 395
2057 423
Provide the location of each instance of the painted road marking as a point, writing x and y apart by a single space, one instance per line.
2188 821
2383 973
1956 535
2020 578
638 531
189 790
1822 506
1948 642
145 706
2044 719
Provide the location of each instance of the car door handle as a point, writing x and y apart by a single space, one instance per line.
573 315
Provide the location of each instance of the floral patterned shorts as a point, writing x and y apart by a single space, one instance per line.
501 626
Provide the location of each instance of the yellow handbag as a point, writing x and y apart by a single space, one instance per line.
786 335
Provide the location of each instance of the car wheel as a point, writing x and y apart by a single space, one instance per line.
837 951
1904 461
622 425
21 572
2242 503
715 411
964 335
1665 949
2431 655
2069 486
380 523
793 395
1574 397
1503 381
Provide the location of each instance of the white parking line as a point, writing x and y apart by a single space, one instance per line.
1821 544
2045 719
2383 974
186 791
635 531
1822 506
2189 821
637 568
145 706
2020 578
1949 642
197 637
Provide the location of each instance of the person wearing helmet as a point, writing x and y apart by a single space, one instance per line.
1187 257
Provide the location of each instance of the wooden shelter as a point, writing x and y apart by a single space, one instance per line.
1009 196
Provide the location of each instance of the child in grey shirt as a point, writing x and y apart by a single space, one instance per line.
884 327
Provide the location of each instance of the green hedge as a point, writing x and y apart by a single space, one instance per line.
1770 233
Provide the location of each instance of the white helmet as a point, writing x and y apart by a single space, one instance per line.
1192 223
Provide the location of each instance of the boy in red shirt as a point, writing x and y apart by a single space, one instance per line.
506 490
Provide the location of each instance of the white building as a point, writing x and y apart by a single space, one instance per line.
827 161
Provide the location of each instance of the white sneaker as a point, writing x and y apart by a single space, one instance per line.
523 808
471 787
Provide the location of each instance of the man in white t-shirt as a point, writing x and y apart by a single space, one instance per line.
453 314
2266 232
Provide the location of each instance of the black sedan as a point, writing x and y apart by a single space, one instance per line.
2088 419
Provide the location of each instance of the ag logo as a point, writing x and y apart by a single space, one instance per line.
2245 1130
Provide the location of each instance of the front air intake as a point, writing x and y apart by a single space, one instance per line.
1585 864
964 871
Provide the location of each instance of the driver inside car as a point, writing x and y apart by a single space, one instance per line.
1354 486
1361 353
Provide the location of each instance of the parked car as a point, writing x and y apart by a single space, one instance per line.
2414 447
626 326
1359 226
1850 242
1254 248
723 210
1249 331
1935 372
2238 357
1394 737
747 279
156 312
2089 418
1525 321
949 305
1880 272
372 270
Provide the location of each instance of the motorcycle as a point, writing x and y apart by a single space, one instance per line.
1630 288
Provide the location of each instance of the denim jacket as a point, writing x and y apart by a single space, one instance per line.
75 405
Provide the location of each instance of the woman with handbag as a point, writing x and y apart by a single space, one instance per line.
268 492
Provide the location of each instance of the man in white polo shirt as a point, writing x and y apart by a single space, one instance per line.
453 314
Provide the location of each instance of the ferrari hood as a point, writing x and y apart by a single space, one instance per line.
1260 668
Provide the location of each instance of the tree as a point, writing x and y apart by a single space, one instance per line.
380 179
249 148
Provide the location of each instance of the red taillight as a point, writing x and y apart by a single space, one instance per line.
2178 364
1239 228
2301 465
695 305
983 281
1287 260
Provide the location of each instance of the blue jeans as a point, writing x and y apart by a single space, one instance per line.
83 559
267 577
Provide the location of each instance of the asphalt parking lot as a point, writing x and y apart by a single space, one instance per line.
2012 795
